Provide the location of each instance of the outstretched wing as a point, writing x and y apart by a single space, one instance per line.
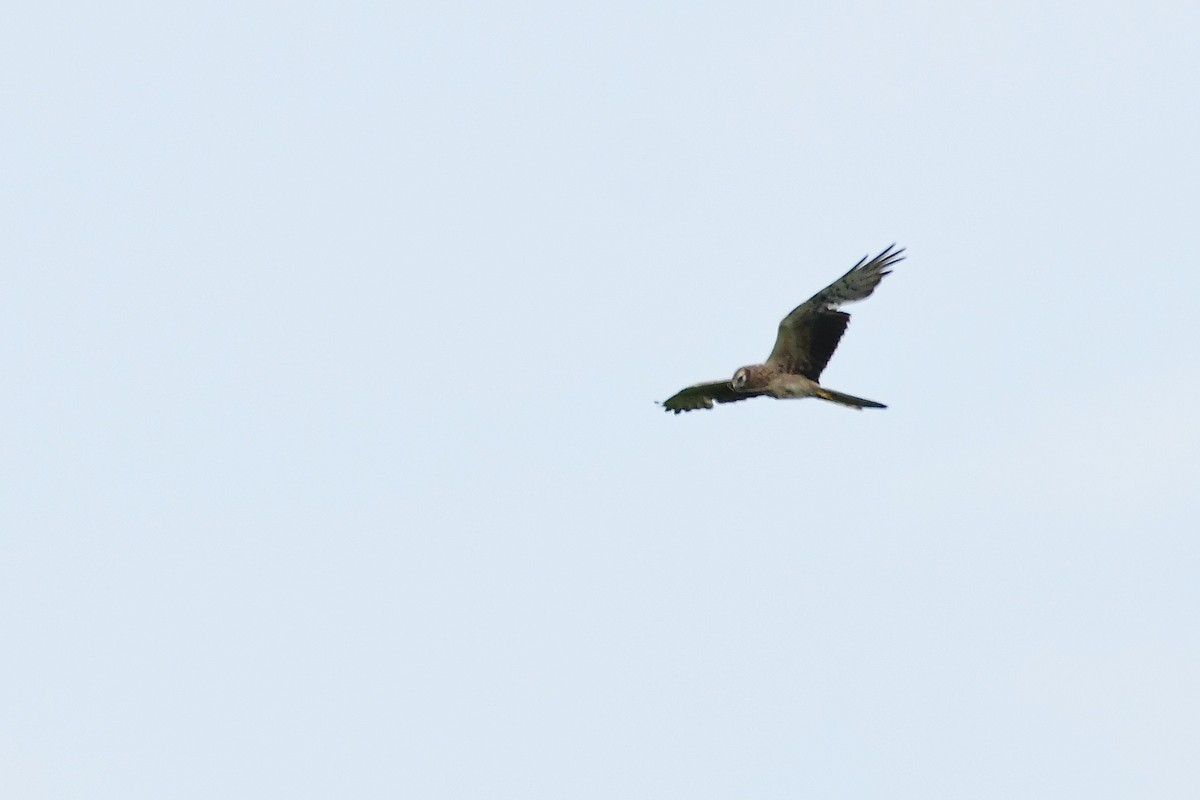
809 335
702 395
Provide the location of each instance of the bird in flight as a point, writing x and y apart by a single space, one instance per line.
807 338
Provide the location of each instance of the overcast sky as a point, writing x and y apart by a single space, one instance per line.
331 337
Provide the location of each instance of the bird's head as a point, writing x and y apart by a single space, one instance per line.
753 378
741 378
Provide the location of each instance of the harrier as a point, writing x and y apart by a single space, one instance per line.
807 338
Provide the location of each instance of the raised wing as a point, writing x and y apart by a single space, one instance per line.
809 335
702 395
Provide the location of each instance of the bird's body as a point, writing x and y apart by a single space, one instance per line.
786 385
806 341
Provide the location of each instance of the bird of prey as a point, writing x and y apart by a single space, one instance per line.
807 338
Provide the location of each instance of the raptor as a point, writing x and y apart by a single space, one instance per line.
806 341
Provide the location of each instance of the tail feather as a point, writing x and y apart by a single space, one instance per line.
847 399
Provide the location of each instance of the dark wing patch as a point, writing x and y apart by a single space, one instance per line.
702 395
805 346
824 333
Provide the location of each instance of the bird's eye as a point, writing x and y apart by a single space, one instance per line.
739 379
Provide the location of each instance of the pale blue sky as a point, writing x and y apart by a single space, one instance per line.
330 462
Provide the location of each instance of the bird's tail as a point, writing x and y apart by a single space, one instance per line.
847 399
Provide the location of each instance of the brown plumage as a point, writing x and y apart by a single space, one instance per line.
807 338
